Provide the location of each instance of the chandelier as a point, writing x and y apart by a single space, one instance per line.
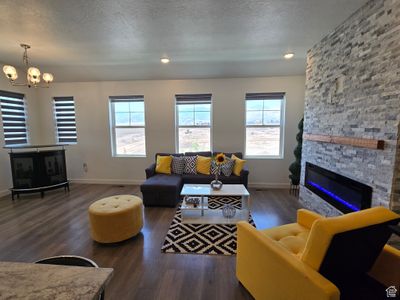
32 74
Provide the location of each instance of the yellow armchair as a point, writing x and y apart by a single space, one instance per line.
294 261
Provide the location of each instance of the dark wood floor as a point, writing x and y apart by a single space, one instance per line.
32 228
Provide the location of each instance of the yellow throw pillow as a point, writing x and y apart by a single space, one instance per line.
203 165
163 164
239 164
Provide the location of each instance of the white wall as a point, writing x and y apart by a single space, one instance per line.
33 126
93 148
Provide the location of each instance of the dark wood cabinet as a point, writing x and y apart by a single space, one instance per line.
38 171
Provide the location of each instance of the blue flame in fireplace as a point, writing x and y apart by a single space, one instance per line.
334 196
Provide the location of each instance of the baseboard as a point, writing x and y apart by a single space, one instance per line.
4 193
269 185
107 181
258 185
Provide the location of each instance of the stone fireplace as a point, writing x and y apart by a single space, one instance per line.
353 91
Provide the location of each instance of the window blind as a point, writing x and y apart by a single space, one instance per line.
14 118
126 98
64 109
193 99
265 96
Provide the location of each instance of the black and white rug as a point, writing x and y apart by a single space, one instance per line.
203 238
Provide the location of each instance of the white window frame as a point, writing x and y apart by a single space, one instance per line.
177 127
281 131
113 126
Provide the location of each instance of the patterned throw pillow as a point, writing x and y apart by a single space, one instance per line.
214 168
227 166
178 165
190 164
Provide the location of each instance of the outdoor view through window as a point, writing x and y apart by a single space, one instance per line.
194 127
128 126
263 127
264 124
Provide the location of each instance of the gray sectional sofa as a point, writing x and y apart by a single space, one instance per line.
164 190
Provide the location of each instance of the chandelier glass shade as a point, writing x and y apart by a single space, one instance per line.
47 77
33 74
10 72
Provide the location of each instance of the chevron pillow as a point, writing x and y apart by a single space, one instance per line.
190 165
227 166
178 165
214 168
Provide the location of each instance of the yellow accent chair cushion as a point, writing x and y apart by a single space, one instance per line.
239 164
283 262
163 164
203 165
115 219
293 237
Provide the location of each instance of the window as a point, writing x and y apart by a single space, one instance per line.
264 124
64 110
14 118
128 125
193 122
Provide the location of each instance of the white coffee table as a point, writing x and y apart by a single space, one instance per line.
202 215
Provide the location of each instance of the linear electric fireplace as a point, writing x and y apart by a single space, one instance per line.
344 193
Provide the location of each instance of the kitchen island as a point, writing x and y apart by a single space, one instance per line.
41 281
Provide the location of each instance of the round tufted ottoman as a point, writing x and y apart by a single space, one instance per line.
117 218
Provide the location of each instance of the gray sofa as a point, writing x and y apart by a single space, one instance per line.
164 190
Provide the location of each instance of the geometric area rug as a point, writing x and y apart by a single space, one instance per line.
203 238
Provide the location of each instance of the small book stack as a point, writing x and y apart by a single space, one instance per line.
191 201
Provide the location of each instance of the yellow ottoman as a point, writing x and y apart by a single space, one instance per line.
117 218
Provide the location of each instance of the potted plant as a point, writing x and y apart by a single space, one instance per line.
295 167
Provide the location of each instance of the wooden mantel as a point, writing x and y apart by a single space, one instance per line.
341 140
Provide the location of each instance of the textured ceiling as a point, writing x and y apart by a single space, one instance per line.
85 40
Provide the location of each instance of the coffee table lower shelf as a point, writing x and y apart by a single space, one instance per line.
212 216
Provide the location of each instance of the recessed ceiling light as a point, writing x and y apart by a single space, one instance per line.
165 60
288 55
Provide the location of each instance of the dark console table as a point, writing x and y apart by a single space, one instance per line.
37 168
